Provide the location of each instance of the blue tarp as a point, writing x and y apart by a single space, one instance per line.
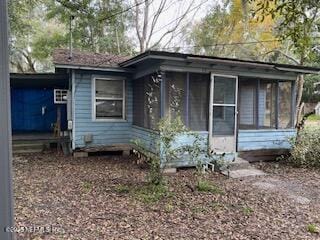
34 110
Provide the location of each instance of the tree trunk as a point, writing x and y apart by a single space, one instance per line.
299 84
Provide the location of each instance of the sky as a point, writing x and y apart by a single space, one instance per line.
174 9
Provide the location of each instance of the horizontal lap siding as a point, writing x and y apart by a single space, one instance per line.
184 160
104 133
264 139
146 137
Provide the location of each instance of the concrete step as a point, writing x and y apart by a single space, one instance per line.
241 173
240 168
27 147
239 163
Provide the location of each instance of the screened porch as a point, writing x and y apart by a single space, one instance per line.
240 107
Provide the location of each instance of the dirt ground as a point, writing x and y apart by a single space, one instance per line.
59 197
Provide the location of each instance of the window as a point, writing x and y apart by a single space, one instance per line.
267 104
285 107
199 87
109 102
60 96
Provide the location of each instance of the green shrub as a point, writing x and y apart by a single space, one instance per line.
306 148
206 186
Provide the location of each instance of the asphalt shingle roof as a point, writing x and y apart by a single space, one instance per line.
88 59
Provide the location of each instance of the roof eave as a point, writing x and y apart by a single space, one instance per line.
298 70
81 67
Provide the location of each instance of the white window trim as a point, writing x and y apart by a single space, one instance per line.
93 99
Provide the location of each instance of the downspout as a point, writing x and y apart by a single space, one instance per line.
73 91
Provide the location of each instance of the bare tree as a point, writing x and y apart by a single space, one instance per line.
145 23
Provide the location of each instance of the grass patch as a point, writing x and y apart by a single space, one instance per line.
168 208
152 193
314 117
197 210
86 186
247 210
216 205
312 228
207 186
122 189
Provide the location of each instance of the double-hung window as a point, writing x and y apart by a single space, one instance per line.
109 99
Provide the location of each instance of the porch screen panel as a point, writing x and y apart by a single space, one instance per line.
175 87
151 101
199 85
146 101
267 104
247 103
138 102
285 108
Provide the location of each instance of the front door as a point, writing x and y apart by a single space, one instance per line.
223 113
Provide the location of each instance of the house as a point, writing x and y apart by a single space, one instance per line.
237 106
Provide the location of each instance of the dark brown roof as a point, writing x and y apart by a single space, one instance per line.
86 59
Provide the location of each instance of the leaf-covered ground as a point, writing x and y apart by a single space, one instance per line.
93 198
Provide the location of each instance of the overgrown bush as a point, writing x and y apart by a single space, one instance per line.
306 148
168 148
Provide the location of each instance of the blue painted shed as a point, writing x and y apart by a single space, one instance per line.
237 106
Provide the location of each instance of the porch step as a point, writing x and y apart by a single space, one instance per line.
239 163
241 168
27 147
241 173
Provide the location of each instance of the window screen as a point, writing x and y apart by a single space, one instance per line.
223 120
146 101
285 111
109 99
199 87
247 104
267 104
176 83
152 101
138 102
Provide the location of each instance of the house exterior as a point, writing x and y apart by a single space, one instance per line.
236 106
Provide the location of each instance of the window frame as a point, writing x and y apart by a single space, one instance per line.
94 99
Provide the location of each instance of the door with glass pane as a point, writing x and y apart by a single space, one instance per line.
223 111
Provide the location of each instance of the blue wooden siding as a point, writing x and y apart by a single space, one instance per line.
146 137
103 132
264 139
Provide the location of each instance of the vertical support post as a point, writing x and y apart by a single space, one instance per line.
210 127
6 199
293 103
277 104
186 112
257 104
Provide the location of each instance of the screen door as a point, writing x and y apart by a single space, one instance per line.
223 111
